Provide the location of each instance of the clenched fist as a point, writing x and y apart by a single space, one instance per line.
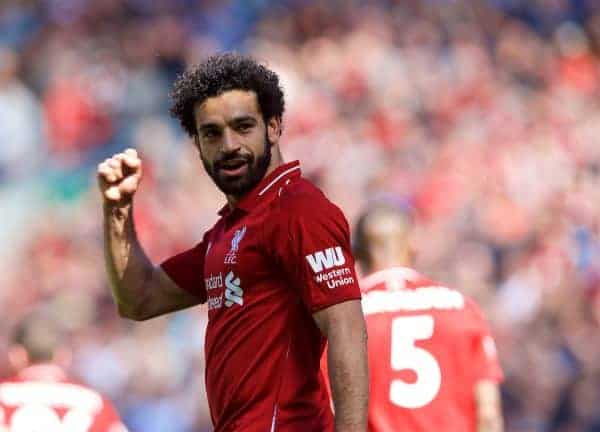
119 176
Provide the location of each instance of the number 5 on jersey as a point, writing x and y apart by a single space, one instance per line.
406 355
38 418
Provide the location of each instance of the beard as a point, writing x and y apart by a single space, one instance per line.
240 185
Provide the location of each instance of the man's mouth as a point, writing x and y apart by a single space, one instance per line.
234 167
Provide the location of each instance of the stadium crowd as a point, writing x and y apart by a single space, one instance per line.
483 115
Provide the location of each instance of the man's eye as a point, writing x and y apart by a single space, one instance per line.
210 134
244 127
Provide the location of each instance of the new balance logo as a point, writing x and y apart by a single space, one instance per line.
326 259
233 291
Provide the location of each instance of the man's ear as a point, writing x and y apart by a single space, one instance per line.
196 139
18 357
274 129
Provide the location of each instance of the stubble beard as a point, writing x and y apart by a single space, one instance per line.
238 187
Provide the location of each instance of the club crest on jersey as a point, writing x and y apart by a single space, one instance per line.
231 257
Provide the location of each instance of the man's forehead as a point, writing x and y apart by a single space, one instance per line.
227 105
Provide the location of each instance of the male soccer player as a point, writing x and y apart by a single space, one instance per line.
275 270
40 397
432 359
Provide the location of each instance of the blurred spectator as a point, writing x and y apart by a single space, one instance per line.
41 396
20 116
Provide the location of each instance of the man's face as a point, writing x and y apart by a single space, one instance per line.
233 141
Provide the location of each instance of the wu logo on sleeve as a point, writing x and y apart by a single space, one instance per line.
231 257
326 259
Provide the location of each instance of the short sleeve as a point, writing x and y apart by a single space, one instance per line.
484 356
186 269
313 248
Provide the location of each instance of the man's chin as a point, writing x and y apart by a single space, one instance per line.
236 187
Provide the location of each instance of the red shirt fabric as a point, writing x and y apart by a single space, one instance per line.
428 347
266 266
42 398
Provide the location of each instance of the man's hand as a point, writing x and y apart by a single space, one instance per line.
119 177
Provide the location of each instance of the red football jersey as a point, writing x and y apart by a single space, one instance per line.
42 399
282 254
428 347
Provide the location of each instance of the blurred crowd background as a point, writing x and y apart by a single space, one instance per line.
483 114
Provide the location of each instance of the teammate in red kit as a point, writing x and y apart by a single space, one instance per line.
276 269
40 397
432 359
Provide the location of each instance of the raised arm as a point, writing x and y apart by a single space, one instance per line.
140 289
345 328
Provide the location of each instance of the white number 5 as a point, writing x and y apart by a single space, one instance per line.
405 355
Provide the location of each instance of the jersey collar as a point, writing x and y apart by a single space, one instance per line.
267 188
399 274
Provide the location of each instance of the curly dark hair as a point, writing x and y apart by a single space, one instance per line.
220 73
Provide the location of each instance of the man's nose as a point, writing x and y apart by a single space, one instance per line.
230 142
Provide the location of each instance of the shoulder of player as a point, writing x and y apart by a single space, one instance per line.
395 278
471 308
302 197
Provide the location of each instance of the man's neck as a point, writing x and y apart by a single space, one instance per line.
403 260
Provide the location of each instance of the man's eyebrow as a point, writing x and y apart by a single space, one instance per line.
208 126
243 118
235 120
